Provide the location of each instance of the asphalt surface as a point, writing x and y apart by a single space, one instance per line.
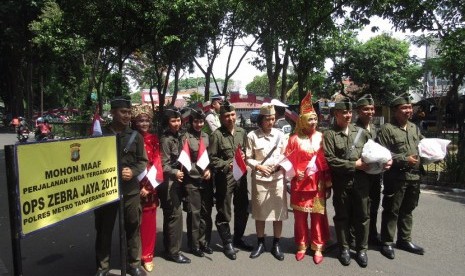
67 248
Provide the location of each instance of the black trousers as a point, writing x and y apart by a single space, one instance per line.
170 194
352 216
199 201
229 191
105 217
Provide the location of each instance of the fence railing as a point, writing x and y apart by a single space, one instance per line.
449 172
71 129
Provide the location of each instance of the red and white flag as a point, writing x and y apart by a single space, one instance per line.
185 156
286 164
239 168
96 124
202 157
311 166
151 176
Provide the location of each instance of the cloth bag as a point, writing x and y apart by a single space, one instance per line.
376 156
432 149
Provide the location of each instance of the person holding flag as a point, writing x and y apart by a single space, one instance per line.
310 185
198 185
171 191
265 147
226 151
142 116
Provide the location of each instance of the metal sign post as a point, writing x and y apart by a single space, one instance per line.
12 179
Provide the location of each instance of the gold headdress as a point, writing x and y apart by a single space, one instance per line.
138 110
306 111
306 105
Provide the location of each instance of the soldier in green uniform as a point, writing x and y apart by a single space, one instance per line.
171 191
365 112
198 186
223 143
401 182
343 145
133 160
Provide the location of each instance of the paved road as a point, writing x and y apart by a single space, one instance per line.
67 249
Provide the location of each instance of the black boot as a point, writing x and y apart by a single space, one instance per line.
276 250
257 251
229 251
206 248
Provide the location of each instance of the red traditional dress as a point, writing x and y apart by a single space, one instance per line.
148 227
308 192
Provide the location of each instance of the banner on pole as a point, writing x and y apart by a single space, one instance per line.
61 179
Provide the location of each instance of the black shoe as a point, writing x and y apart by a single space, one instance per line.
197 252
388 251
362 258
136 271
242 244
102 272
207 249
257 251
179 258
229 251
410 247
344 256
276 252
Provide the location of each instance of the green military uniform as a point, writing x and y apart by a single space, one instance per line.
171 193
199 194
401 182
350 186
136 159
374 181
221 150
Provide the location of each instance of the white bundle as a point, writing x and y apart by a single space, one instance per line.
433 149
376 156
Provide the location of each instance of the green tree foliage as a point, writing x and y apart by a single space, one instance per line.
226 32
191 83
260 86
382 66
195 98
17 62
266 22
444 20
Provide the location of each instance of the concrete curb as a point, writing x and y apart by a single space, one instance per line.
442 189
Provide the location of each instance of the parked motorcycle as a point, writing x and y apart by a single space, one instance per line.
23 135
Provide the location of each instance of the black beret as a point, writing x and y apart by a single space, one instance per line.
402 99
226 107
343 104
366 99
172 112
197 114
120 102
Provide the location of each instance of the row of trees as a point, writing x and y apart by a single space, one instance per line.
59 51
382 66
